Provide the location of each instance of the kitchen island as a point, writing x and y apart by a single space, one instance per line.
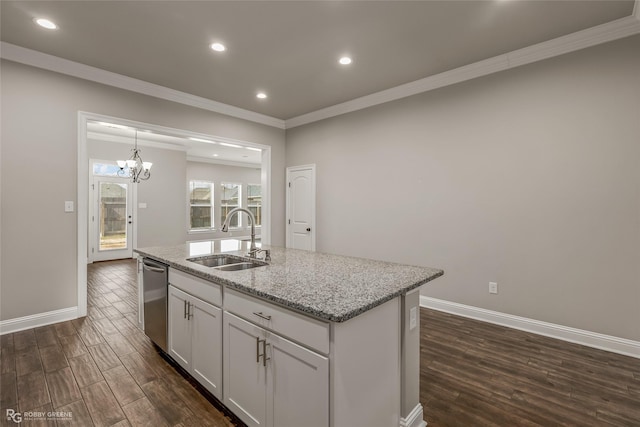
309 339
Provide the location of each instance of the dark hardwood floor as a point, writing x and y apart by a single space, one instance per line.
106 372
478 374
101 367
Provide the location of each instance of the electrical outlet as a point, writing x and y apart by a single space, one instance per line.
493 288
413 318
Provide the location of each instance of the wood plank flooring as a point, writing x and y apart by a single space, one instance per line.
477 374
107 373
101 367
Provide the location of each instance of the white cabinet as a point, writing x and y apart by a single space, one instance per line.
271 381
195 338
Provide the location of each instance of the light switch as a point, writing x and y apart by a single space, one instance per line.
68 206
142 206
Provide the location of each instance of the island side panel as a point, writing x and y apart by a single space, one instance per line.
365 370
412 410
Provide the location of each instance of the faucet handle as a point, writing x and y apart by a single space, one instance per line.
267 255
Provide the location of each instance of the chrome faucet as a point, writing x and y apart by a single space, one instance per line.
225 227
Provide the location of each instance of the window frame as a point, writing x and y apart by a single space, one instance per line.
212 205
239 205
260 205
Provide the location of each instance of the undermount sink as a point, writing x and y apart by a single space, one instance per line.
241 266
227 262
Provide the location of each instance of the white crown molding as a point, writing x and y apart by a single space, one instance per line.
37 320
117 139
223 162
603 33
565 333
37 59
610 31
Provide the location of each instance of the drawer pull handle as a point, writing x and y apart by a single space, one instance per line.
262 315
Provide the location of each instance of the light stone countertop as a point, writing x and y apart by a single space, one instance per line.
329 287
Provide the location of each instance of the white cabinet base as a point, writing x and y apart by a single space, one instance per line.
365 368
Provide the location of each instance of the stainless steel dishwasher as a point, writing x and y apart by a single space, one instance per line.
155 277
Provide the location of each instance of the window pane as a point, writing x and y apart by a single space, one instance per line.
230 199
105 169
257 213
200 217
254 201
201 205
200 193
113 216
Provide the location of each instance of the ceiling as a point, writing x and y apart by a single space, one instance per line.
290 49
214 151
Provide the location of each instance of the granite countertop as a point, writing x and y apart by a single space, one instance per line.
329 287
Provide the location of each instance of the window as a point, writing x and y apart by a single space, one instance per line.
109 169
229 199
200 205
254 201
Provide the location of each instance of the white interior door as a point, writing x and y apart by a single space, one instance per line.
112 218
301 207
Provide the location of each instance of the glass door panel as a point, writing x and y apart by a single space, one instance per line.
112 214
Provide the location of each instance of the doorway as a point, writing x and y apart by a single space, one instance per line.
111 213
301 207
84 180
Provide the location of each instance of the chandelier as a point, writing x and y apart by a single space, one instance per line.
135 167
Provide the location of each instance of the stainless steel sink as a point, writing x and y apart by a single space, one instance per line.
227 262
216 260
240 266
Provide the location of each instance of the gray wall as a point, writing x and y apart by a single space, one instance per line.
529 177
162 222
221 173
38 173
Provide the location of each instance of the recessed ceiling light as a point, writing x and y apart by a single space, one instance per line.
261 95
345 60
218 47
216 155
230 145
253 149
45 23
202 140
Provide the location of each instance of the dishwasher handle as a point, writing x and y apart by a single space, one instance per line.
154 269
152 266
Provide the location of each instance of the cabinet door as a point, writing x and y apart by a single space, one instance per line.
206 356
244 375
297 385
179 328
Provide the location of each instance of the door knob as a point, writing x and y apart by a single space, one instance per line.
308 229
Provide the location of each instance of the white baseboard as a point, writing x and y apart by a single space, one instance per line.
36 320
415 418
565 333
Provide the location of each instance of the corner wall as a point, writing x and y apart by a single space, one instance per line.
529 177
38 173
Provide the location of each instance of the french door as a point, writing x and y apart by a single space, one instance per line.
111 219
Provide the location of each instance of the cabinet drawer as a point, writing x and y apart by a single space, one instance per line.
206 291
300 328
